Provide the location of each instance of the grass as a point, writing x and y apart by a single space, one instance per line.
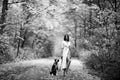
11 74
40 71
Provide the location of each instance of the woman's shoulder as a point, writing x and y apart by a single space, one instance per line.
69 43
63 41
66 42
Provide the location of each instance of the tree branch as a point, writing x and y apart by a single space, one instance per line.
111 4
4 24
17 2
44 8
118 5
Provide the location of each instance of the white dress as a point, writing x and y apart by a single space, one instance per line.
65 54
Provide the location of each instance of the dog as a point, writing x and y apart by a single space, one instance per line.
54 68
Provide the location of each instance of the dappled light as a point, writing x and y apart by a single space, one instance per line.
74 39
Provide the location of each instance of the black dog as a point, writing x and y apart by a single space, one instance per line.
54 68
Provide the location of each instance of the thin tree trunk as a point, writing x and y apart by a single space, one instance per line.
85 28
75 33
33 43
19 42
115 9
3 14
23 42
90 19
18 47
99 4
116 24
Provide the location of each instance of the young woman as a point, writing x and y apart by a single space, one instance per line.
65 54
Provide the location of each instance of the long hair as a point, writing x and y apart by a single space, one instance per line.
66 37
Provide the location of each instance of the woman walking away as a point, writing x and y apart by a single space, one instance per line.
65 54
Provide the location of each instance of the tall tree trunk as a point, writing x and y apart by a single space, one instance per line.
24 37
115 9
99 4
3 14
19 42
90 15
84 27
116 25
33 44
18 47
75 22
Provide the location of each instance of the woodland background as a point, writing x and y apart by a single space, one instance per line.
33 29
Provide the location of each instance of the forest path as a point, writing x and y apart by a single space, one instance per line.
39 70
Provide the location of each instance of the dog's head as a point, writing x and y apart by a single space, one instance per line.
56 61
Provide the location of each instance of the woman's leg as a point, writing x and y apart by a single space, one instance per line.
68 64
65 69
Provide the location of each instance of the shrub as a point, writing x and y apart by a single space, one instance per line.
105 63
4 53
45 49
73 52
48 48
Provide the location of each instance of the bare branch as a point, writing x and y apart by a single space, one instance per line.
4 24
111 4
44 8
18 37
17 2
118 5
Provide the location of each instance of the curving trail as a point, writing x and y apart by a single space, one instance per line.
39 70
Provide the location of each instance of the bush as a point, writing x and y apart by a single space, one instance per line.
45 49
73 53
105 63
4 53
48 49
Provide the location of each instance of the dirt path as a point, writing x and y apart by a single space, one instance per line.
39 70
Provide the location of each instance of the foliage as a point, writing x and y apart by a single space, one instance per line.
45 50
4 50
11 74
104 36
31 26
38 72
105 64
24 33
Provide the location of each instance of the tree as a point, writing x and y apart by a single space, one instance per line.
106 39
3 15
